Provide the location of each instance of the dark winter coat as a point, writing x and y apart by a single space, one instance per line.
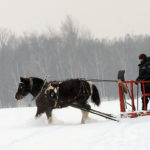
144 71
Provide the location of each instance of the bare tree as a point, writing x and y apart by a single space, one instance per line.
4 37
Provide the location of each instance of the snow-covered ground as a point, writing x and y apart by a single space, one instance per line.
20 131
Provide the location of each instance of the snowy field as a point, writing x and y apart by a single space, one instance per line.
20 131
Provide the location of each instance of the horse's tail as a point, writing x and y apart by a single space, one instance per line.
95 95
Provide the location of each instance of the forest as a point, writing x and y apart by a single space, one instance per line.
67 53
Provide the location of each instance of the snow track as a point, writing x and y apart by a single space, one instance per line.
20 131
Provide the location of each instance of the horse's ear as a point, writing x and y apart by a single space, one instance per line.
21 79
24 80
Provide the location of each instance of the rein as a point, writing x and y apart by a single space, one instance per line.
98 80
83 91
34 98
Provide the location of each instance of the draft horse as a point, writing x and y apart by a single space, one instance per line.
55 94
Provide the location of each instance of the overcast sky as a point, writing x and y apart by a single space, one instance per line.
104 18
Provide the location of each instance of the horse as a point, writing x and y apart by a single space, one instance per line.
58 94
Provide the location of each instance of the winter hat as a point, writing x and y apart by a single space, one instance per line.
143 56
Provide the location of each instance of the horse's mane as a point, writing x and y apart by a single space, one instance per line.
36 78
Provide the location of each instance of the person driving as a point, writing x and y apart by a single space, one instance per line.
144 75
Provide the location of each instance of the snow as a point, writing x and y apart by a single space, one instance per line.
20 131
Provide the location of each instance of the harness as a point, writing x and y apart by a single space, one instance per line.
51 90
54 85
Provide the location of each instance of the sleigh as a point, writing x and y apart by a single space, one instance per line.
135 111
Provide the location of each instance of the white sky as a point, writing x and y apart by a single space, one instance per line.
104 18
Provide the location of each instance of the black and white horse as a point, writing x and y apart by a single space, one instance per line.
51 95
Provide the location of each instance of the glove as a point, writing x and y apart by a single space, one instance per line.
138 79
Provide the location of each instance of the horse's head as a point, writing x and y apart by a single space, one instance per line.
23 88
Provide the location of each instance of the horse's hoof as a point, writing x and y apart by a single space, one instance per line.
35 117
50 120
82 122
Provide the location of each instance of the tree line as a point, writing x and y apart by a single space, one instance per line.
69 53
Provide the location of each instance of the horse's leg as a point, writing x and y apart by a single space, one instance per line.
87 106
39 112
85 113
49 115
84 116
